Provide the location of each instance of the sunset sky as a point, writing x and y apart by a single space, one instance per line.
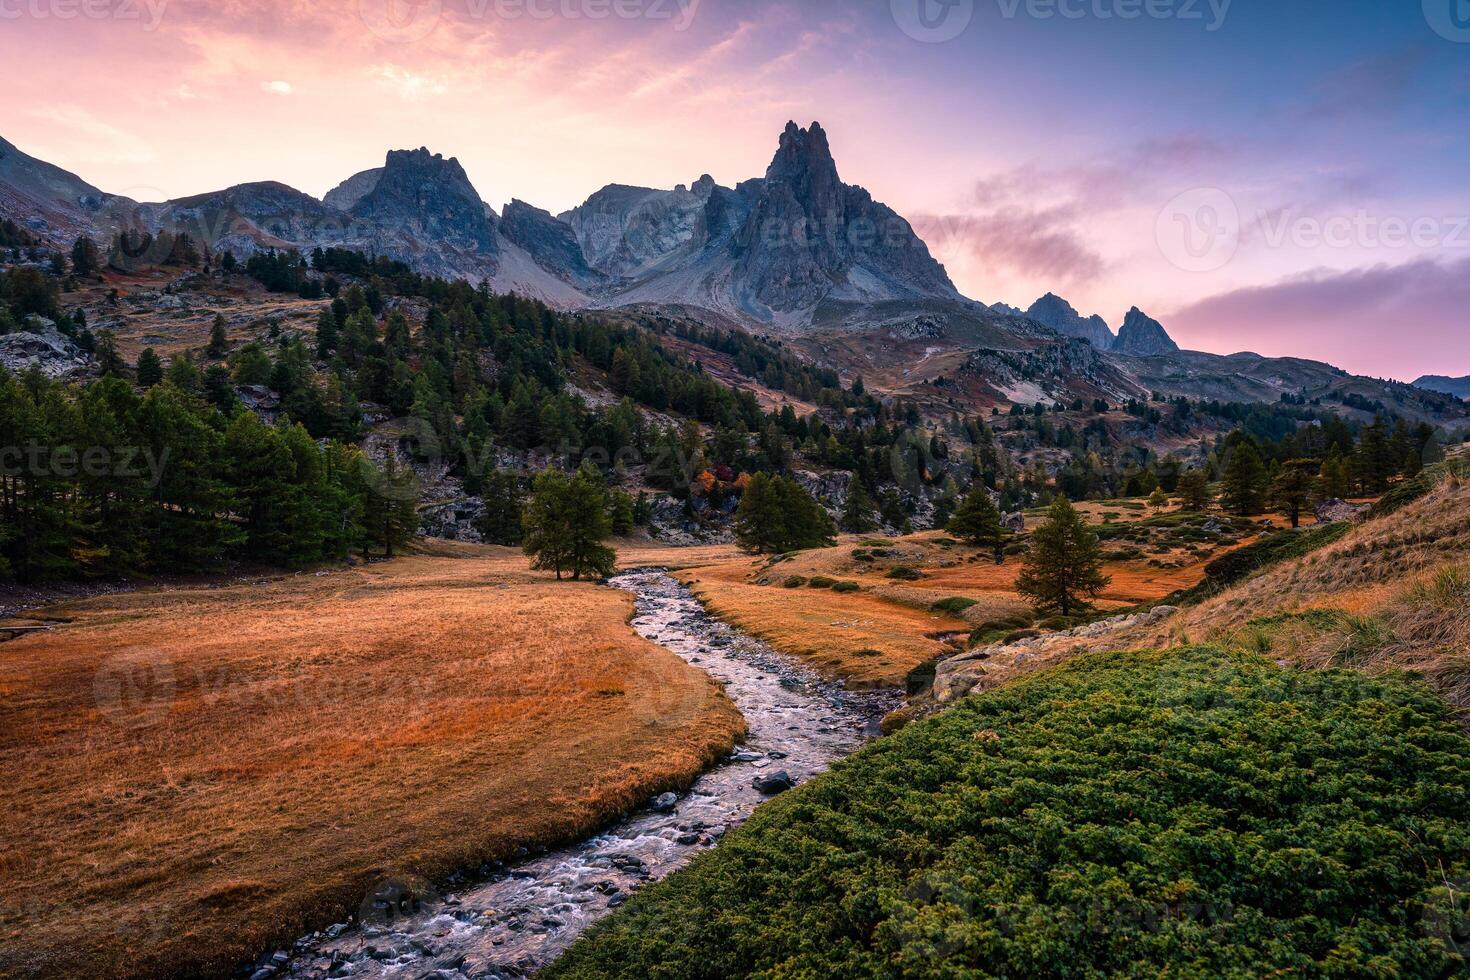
1284 176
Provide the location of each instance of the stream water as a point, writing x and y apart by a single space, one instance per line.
510 920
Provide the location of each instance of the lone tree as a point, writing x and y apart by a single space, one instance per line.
150 368
1244 491
1194 490
219 342
1064 564
977 521
1158 500
86 260
777 515
859 512
565 523
1295 489
390 508
501 521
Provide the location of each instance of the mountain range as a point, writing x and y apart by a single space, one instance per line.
795 252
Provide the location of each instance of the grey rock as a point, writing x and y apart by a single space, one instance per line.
1334 510
1143 336
772 783
665 802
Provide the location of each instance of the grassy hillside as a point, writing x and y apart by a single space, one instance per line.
1187 813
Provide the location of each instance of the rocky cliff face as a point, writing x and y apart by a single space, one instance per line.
1053 311
809 237
552 243
1142 336
430 199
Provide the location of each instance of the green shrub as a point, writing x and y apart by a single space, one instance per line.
845 587
1190 813
794 582
905 573
954 605
867 652
821 582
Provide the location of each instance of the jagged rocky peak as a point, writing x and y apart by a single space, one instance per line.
1053 311
429 196
1143 336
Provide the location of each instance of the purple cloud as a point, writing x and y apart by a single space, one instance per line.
1386 320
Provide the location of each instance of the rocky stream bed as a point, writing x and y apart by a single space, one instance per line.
509 920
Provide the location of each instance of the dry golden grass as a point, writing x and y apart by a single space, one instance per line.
868 641
193 775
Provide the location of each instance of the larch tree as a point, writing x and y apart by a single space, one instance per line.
1063 567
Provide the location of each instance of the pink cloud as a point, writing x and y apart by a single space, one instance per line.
1387 320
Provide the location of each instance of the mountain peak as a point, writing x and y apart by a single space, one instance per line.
803 153
1143 336
1058 314
430 197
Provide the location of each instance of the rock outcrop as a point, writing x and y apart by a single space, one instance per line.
41 346
1143 336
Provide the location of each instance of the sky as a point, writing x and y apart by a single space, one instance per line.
1282 176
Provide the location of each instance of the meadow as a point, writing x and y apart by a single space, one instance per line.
201 773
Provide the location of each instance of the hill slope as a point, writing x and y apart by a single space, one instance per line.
1192 813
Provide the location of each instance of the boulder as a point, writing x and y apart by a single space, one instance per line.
1015 523
1333 510
665 803
772 783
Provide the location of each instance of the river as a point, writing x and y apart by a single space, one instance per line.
510 920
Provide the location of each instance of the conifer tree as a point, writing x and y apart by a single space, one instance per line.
501 522
150 368
219 341
977 522
1063 567
1194 490
1244 486
565 522
1295 488
859 512
778 515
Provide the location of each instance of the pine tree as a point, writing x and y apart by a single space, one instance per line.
977 521
86 260
1337 482
620 510
1194 490
326 334
501 522
108 359
1295 488
565 523
859 513
1158 500
219 341
1063 567
390 506
1244 490
150 368
778 515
